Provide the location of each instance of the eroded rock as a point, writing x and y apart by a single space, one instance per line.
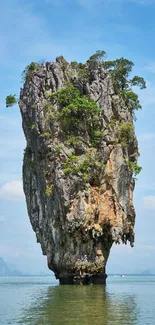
76 220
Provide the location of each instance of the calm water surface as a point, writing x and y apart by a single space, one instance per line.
128 300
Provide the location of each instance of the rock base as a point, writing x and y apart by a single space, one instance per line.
84 280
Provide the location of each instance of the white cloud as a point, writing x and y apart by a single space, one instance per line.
149 202
12 191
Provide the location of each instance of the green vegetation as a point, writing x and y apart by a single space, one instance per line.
97 57
82 115
131 100
11 100
84 74
65 96
49 189
33 127
64 66
83 165
112 123
74 141
138 81
134 167
46 135
70 165
124 133
28 71
74 64
82 70
120 70
58 148
78 114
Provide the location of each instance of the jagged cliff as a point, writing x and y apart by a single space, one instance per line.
77 173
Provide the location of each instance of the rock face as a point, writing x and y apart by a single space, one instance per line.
77 218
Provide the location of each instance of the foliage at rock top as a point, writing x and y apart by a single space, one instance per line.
11 100
80 161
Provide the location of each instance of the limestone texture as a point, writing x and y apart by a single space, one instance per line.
77 219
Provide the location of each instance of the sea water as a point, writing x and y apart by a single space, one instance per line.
128 300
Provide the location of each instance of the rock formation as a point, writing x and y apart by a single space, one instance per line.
78 186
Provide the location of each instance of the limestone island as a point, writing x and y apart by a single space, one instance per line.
80 161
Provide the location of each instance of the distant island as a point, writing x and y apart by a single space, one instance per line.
5 270
146 272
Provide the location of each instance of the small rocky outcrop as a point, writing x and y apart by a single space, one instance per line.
77 173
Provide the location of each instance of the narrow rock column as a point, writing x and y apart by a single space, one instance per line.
77 181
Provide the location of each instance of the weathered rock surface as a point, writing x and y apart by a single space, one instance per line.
76 221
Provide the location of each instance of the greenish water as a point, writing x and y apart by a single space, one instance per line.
126 300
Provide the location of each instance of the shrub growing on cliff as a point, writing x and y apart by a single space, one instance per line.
97 57
49 189
11 100
124 133
120 70
83 165
138 81
78 114
131 100
134 167
70 165
65 96
27 73
74 141
81 114
74 64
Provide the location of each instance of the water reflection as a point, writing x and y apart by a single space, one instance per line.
81 305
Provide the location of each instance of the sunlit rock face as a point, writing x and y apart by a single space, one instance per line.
76 219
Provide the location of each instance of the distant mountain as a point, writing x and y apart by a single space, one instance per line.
146 272
5 271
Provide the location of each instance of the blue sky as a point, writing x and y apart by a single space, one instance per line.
43 29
